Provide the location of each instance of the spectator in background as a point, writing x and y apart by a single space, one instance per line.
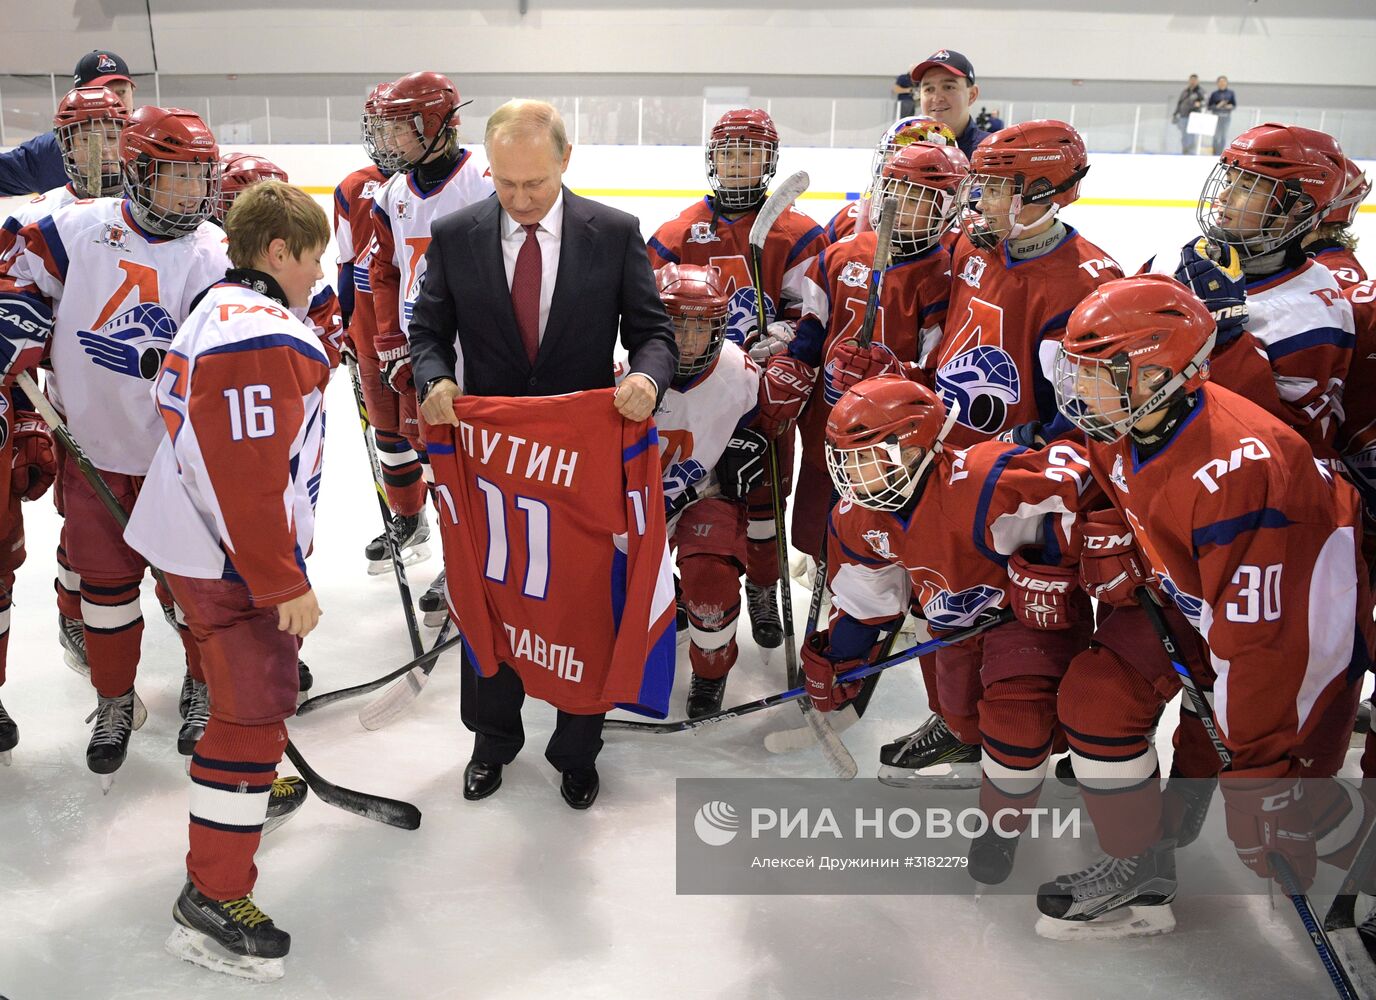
989 120
36 165
1191 99
946 89
1221 102
903 90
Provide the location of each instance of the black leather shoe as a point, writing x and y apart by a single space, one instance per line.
481 779
579 787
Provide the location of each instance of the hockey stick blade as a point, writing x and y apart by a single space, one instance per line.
778 202
801 737
393 702
838 758
378 808
330 697
783 697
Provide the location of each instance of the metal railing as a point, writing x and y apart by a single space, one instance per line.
27 104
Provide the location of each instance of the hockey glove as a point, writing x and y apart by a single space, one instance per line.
34 465
394 357
820 673
777 336
680 486
1111 566
848 363
25 327
1028 435
1039 594
1214 273
784 391
1267 814
743 464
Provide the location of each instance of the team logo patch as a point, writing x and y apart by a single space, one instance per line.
701 232
4 421
879 541
403 210
369 187
855 274
984 383
742 317
944 609
133 343
114 236
973 270
1116 477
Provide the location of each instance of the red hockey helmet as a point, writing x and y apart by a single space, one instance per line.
905 132
171 169
881 439
1039 162
1356 186
87 125
239 171
416 115
925 180
742 155
1272 184
696 299
1131 346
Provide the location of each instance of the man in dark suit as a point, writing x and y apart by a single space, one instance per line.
524 295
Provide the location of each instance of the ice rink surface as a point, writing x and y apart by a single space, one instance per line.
518 896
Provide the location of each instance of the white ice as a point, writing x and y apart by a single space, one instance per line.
516 896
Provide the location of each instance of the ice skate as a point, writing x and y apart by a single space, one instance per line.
1112 898
9 736
412 535
991 857
705 695
72 635
765 624
288 794
930 757
432 604
1362 724
233 937
114 721
304 680
197 717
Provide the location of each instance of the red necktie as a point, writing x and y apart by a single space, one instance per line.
525 292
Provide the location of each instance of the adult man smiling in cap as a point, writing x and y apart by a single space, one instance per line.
946 89
36 165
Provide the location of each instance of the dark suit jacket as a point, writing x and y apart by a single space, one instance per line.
604 284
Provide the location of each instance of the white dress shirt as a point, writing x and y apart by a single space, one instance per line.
549 234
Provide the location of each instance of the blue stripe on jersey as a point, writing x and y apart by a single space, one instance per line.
464 155
380 214
320 297
657 677
362 283
928 310
340 202
1311 338
434 448
268 341
651 438
1051 545
1226 532
986 496
56 249
802 245
11 225
664 251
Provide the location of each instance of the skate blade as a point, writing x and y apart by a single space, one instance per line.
409 557
77 664
140 712
1129 922
273 822
198 949
801 738
107 782
4 758
940 776
434 619
1355 959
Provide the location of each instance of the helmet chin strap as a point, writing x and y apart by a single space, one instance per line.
1017 230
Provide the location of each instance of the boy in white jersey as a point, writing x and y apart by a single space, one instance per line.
228 509
99 288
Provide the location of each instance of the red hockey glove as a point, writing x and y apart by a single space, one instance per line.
1266 814
394 357
1111 566
848 363
784 391
34 465
1039 594
820 673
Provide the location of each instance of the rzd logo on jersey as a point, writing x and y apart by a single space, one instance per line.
944 609
132 343
855 274
701 232
979 376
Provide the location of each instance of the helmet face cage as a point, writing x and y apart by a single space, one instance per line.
387 135
699 332
379 142
77 141
923 214
171 197
875 476
739 169
1252 212
991 203
1095 394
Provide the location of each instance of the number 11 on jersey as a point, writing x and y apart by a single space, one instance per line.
536 581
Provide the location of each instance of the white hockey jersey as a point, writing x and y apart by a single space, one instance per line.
31 211
118 295
232 489
402 217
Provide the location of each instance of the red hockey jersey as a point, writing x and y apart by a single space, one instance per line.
354 241
700 236
1003 324
1347 269
555 549
1256 543
1357 436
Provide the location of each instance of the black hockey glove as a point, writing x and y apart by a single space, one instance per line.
743 463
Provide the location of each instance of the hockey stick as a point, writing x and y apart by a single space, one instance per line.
330 697
1341 921
403 587
398 698
392 812
1342 983
854 674
384 810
